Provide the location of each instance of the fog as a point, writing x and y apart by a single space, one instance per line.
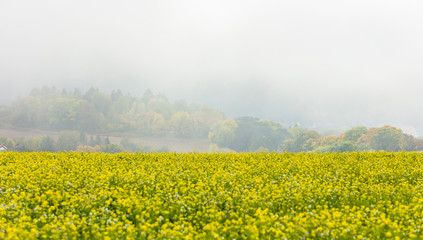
324 64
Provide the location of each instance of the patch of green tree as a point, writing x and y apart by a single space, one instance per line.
97 112
249 134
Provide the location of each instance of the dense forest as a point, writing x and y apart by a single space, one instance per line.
97 112
249 134
85 120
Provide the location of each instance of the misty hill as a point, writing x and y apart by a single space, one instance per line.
84 122
115 113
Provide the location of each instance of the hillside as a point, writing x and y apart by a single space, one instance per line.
52 120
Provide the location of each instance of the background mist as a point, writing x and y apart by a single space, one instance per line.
324 64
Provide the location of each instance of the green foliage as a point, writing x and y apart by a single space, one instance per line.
47 144
223 132
342 147
248 134
68 141
87 118
96 112
147 96
34 143
20 145
100 102
183 124
160 106
121 104
72 141
27 112
110 148
181 105
387 138
354 134
62 113
8 142
303 140
252 134
205 118
151 123
407 143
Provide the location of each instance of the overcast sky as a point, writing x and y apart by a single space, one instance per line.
328 64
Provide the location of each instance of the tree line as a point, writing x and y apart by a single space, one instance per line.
74 141
97 112
76 114
250 134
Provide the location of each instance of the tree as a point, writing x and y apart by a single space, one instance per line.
62 113
116 95
205 118
354 134
407 143
68 140
158 125
419 144
304 140
289 145
132 120
48 93
26 112
151 123
307 139
101 102
387 138
47 144
161 106
222 133
87 96
21 145
344 146
34 143
8 142
183 125
367 138
121 104
245 134
276 134
87 117
252 134
181 105
110 148
147 96
326 140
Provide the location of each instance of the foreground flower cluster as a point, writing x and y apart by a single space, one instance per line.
206 196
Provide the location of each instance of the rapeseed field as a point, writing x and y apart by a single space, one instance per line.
211 196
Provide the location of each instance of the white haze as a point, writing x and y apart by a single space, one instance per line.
325 64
